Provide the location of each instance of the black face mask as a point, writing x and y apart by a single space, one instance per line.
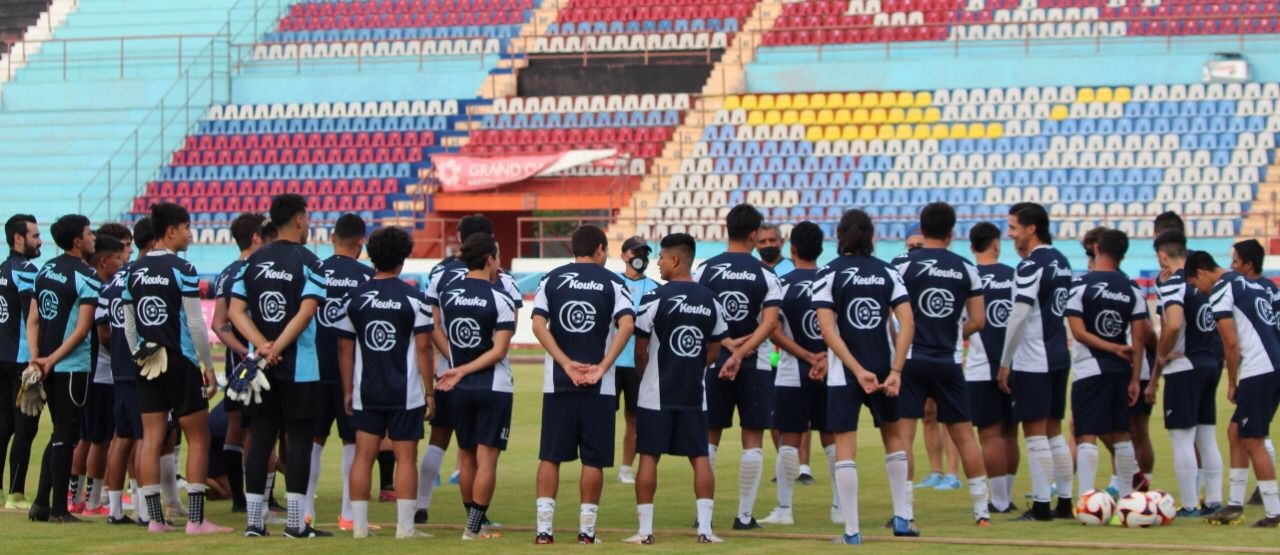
640 263
770 254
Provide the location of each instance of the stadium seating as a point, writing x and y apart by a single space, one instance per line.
1114 155
15 17
636 26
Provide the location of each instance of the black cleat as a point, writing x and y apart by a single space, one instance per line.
252 532
122 520
991 508
420 516
38 513
306 532
1269 522
587 539
1039 512
738 524
544 539
1065 508
805 480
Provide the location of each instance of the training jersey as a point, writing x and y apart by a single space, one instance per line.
384 317
637 289
453 269
63 285
471 311
1199 341
111 312
744 288
222 287
1108 303
17 288
986 346
274 282
1248 303
681 320
1043 281
863 291
799 321
940 284
341 274
582 303
155 291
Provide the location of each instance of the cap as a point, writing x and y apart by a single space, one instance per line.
635 243
914 230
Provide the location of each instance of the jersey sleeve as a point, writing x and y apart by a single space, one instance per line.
342 325
188 280
509 286
898 294
975 280
901 263
1075 302
821 290
1027 282
314 286
102 314
1171 292
506 307
720 330
772 297
87 289
1222 299
238 290
540 303
697 272
648 312
1139 305
422 322
621 301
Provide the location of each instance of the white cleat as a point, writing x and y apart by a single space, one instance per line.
411 534
626 476
779 516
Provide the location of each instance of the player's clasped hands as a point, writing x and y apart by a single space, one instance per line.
817 366
448 380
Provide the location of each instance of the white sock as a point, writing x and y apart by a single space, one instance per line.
645 512
139 507
705 507
1012 481
830 452
625 470
1116 482
846 478
750 467
1184 466
169 477
1210 463
978 494
1087 463
1126 465
77 493
587 514
1062 470
116 504
1239 481
404 517
428 472
1040 461
546 511
999 492
1271 450
360 516
711 456
1270 497
788 460
294 518
895 465
95 495
348 456
804 468
254 509
309 508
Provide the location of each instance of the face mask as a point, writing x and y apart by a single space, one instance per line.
640 263
770 254
914 248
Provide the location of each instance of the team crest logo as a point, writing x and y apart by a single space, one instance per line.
271 306
1204 319
686 341
1265 311
464 333
48 304
330 313
379 335
810 325
937 303
117 313
998 313
1060 302
864 314
736 305
4 310
1109 323
152 311
578 316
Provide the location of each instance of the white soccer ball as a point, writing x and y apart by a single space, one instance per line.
1165 507
1136 511
1094 508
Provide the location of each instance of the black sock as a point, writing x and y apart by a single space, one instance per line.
475 517
195 507
233 460
387 469
154 511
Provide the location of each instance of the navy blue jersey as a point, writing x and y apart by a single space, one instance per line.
863 291
986 346
63 285
383 317
1043 281
341 275
799 321
155 290
638 288
450 270
470 312
681 320
111 312
1249 304
744 288
273 283
17 288
582 303
222 287
940 284
1107 303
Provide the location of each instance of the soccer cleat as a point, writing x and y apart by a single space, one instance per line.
468 535
158 527
75 508
637 539
779 516
888 524
420 516
206 528
252 532
38 513
931 481
349 525
487 524
305 532
360 534
1229 515
1187 513
983 522
386 496
100 511
587 539
1208 510
122 520
949 482
1256 498
1065 509
738 524
991 508
846 539
1114 493
903 528
454 477
1269 522
626 476
16 502
64 519
1039 512
805 479
544 539
412 534
1141 483
709 538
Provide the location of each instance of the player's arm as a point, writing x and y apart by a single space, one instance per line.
1076 324
306 311
1027 285
902 344
1172 325
1140 334
501 343
713 352
642 354
426 370
1231 346
748 345
223 329
33 331
104 335
624 326
977 316
83 323
346 369
548 341
199 331
238 312
783 341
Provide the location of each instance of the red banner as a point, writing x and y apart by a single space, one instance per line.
461 174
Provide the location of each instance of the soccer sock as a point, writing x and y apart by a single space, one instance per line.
1116 481
804 468
294 518
711 456
1062 470
1210 463
895 465
314 480
115 504
750 467
360 516
978 494
1271 450
645 512
77 489
847 484
348 456
195 503
233 460
705 506
95 495
475 517
1040 460
1013 482
546 512
1270 497
1239 481
788 461
169 477
151 496
271 487
830 452
587 514
1087 460
404 516
1000 493
1126 465
428 471
139 508
387 469
1184 465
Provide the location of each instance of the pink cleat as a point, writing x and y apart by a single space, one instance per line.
206 527
158 527
100 511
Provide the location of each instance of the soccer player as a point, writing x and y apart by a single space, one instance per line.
1107 364
1251 341
479 320
97 426
991 408
343 272
58 326
273 303
1246 259
17 288
943 287
857 298
583 317
383 352
1189 357
751 297
800 399
1035 364
635 259
679 334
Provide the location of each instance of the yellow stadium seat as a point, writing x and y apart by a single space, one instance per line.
977 131
885 133
1084 95
879 115
939 131
766 102
920 132
995 130
755 117
914 115
903 99
959 131
932 115
923 98
808 117
790 117
849 133
835 100
772 117
871 100
782 101
800 101
826 117
1123 94
896 115
902 132
814 133
867 133
750 102
1103 94
818 101
1059 112
844 115
861 115
732 102
832 133
852 100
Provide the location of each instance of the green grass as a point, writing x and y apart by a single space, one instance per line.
939 514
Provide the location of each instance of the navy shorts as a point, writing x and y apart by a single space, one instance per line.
845 402
988 405
800 409
627 381
332 410
482 418
671 432
396 425
179 390
287 400
125 413
1100 404
1039 395
1189 399
942 382
97 425
445 417
1256 399
1142 407
578 423
751 392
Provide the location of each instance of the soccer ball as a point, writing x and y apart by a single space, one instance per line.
1094 508
1164 506
1137 511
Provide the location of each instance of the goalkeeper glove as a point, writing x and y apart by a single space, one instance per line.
152 360
31 394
